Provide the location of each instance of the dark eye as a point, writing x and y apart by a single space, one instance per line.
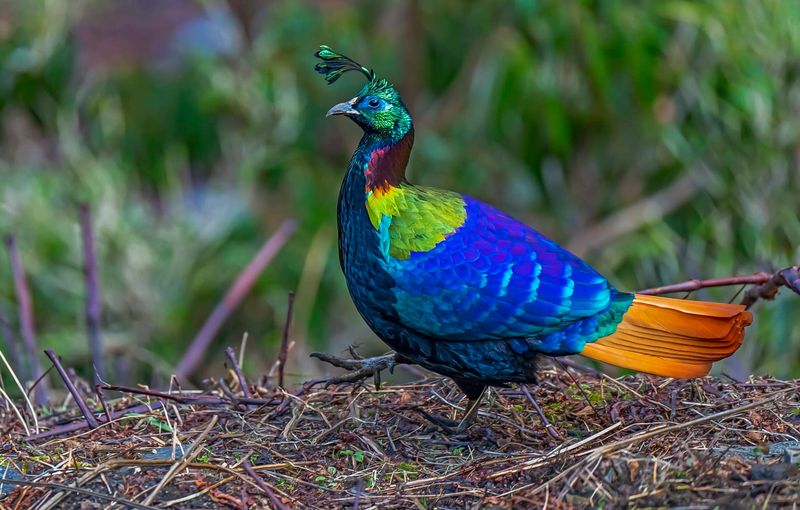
374 102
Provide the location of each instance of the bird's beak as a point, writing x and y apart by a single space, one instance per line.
345 108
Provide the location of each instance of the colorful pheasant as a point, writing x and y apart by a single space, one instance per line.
467 291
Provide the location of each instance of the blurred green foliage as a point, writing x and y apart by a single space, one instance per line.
659 139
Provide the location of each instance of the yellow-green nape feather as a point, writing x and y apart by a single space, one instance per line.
419 218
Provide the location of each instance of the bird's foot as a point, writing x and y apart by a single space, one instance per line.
448 426
453 427
360 368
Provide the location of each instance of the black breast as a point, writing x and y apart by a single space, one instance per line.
369 284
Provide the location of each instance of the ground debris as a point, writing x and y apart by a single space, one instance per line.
635 441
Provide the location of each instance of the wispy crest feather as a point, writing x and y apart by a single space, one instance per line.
334 65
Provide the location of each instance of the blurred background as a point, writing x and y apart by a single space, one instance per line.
659 140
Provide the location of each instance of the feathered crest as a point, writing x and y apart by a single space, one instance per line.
334 65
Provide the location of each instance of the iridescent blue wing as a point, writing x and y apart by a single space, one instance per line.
496 278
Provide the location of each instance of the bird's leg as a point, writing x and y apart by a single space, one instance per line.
458 427
360 368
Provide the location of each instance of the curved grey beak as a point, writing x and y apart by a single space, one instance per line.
345 108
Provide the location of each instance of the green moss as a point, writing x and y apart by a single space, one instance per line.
403 471
587 392
556 412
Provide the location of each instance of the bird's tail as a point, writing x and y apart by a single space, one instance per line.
672 337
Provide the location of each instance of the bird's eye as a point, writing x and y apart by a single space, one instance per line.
374 103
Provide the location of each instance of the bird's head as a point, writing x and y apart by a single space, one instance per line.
377 108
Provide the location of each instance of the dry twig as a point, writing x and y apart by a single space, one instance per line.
238 371
766 285
285 340
87 413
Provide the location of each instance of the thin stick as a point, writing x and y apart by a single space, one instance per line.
263 486
98 389
187 458
181 399
767 285
693 285
87 413
236 292
94 306
191 400
238 370
22 390
547 425
26 320
242 348
285 340
16 410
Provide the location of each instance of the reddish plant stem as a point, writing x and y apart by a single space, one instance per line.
191 400
94 306
237 291
767 285
692 285
276 502
98 390
40 395
181 399
547 425
285 340
238 370
87 413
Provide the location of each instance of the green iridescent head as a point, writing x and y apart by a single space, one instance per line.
377 108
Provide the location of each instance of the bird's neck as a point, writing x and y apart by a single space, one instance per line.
383 161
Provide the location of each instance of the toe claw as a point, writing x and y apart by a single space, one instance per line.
360 368
446 425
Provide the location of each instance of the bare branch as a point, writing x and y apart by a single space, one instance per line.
26 321
236 292
766 285
238 370
285 340
87 413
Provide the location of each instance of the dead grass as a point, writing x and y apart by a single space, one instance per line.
633 442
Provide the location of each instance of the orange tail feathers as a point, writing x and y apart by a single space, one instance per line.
672 337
